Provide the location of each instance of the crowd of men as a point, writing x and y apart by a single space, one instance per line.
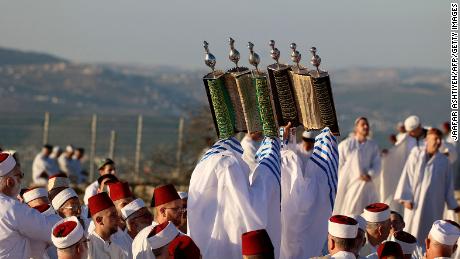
263 197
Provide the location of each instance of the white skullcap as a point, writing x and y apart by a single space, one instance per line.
62 197
163 234
308 134
342 227
132 207
362 223
69 148
407 241
67 232
183 195
58 181
412 122
56 149
376 212
444 232
33 194
7 163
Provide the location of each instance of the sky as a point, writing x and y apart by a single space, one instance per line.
359 33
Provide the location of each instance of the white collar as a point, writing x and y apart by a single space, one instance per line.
344 254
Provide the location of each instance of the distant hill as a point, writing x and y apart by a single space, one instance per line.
17 57
40 82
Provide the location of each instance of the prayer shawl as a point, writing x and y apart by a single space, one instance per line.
356 158
308 192
222 204
428 185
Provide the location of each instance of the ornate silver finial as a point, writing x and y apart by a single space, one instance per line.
234 55
274 53
209 58
295 55
315 60
254 58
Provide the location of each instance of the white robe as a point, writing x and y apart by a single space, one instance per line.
249 151
20 225
355 158
100 249
42 164
141 248
392 166
123 240
428 185
222 204
368 249
308 192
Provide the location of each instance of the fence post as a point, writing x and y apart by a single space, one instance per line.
93 147
46 125
113 138
138 147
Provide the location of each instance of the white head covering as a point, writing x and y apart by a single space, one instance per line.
444 232
407 246
376 212
308 134
132 207
69 148
164 237
412 122
7 163
66 233
342 227
182 195
33 194
62 197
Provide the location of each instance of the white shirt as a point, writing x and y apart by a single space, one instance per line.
124 241
343 255
43 164
20 225
100 249
90 191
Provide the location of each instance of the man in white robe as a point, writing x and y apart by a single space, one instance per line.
393 162
20 225
307 199
43 167
377 216
442 240
250 143
66 164
106 221
359 164
426 186
223 203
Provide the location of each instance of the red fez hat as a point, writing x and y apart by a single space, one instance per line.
42 208
99 202
164 194
183 247
64 229
389 248
119 190
256 242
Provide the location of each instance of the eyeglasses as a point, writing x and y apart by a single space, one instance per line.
75 208
179 209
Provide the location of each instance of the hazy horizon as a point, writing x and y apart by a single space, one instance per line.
412 34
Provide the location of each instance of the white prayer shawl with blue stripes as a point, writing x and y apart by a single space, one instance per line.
266 189
222 204
308 192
